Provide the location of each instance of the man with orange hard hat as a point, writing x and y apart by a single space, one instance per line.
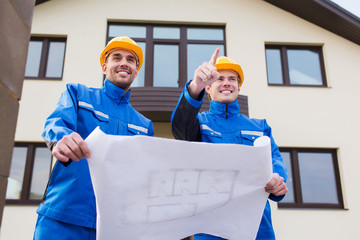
222 78
68 210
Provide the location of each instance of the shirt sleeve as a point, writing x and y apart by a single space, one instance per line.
277 161
151 129
63 120
184 122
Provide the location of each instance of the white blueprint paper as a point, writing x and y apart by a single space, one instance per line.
150 188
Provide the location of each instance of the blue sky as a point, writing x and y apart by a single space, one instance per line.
352 6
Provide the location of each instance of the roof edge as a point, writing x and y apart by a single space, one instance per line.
37 2
325 14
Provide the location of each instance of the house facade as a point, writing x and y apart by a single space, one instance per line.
301 74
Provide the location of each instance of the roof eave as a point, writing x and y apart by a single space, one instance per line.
325 14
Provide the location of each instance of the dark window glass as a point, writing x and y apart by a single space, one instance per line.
198 54
295 65
173 52
289 197
167 32
55 60
304 67
166 65
139 81
273 65
33 59
314 179
17 169
40 173
318 182
29 173
45 58
132 31
205 34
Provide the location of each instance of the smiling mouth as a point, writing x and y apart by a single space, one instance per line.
226 91
123 71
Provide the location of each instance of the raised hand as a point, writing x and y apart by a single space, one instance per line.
204 75
71 147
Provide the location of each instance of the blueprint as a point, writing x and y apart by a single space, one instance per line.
150 188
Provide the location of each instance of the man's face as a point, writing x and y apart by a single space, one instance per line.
226 89
120 68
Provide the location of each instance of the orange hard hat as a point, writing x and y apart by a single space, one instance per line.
126 43
225 63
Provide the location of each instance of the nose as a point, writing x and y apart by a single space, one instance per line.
124 62
226 82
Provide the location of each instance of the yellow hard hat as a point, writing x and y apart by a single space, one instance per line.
225 63
126 43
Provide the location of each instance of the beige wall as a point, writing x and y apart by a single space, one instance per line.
299 116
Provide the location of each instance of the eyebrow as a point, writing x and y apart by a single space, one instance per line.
117 55
128 56
121 55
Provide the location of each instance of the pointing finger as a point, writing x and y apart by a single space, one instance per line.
214 57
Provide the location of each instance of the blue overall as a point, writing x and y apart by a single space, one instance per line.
223 123
69 197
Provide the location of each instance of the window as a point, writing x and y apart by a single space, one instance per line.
295 65
29 173
171 52
313 179
45 58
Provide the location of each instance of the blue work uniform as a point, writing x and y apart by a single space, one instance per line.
69 197
223 123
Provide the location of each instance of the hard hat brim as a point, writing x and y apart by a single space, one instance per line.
234 67
122 45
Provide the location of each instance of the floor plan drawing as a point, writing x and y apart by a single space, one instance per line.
183 193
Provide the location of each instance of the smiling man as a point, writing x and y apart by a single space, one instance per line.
222 79
122 75
68 210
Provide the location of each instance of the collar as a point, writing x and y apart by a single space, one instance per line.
116 93
226 109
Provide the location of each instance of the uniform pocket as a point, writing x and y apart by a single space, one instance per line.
98 114
209 135
136 129
248 137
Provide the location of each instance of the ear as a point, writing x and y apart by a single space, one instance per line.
207 89
104 68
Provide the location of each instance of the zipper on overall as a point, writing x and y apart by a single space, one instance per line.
227 114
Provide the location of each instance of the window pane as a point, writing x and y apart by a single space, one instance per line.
33 59
55 62
41 172
139 80
167 32
197 54
289 197
166 65
304 67
17 168
317 178
273 66
130 31
205 34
